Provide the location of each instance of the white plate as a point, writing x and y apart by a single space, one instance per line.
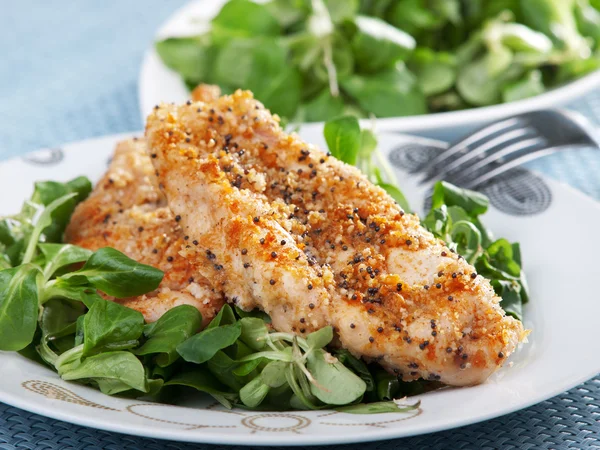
560 249
159 84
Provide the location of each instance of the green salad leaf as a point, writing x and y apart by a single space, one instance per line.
358 366
61 255
223 367
115 274
435 71
393 92
59 318
273 375
18 306
224 317
246 18
334 383
204 381
254 333
114 372
473 203
320 338
44 221
378 45
171 329
204 345
343 138
46 192
191 57
322 106
311 60
110 326
253 393
16 231
378 408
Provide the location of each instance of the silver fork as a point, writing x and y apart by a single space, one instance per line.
500 146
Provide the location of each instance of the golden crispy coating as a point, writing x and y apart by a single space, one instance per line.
206 93
311 241
128 212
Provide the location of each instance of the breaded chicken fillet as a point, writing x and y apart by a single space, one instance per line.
308 239
128 212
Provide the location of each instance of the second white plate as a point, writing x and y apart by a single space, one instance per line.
159 84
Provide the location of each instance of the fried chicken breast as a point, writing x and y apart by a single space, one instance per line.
308 239
128 212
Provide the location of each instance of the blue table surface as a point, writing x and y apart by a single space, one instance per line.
68 71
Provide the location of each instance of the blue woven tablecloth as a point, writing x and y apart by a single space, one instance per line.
68 71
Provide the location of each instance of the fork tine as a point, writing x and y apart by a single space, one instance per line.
477 151
473 138
467 174
525 137
475 170
509 165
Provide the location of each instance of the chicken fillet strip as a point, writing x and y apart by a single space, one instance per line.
308 239
128 212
